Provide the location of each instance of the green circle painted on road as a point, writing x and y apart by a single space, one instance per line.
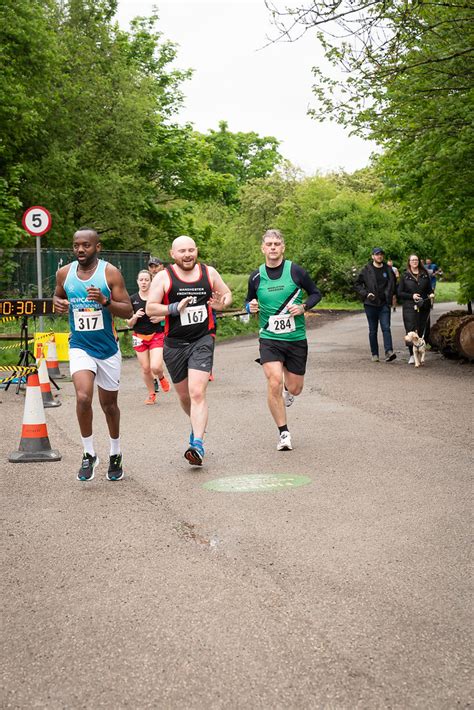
256 483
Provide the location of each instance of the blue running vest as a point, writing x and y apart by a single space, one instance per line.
92 326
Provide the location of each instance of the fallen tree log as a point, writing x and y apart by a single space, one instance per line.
453 334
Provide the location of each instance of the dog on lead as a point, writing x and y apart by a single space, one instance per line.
419 347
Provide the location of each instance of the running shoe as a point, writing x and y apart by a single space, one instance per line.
390 355
115 472
151 399
288 398
411 360
375 358
156 386
285 442
195 454
165 385
89 463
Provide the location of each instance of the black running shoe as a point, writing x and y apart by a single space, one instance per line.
194 454
156 386
86 472
115 472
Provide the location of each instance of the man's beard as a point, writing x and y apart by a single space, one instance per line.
186 266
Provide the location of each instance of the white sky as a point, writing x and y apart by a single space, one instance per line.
267 91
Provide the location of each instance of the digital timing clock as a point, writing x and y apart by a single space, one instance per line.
18 307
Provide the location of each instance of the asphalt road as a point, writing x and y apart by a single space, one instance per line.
353 591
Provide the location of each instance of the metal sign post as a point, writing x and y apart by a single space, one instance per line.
37 221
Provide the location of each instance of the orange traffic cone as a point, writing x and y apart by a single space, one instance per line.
34 442
52 360
48 400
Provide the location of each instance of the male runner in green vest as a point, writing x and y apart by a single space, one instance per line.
275 293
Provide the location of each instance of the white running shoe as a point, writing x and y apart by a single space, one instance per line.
288 398
285 442
411 361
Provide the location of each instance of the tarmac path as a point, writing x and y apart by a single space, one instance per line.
353 591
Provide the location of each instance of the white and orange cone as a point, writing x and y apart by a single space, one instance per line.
34 442
45 384
52 362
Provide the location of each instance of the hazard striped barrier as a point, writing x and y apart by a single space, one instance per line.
14 346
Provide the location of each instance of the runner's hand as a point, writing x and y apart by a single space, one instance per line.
253 306
61 305
296 309
417 297
140 313
371 296
95 294
217 301
183 303
155 319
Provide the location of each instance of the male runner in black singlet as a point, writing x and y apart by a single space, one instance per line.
186 293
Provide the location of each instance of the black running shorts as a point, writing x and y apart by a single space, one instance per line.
181 357
292 353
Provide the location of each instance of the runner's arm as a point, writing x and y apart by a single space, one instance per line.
61 304
120 304
301 277
221 294
252 288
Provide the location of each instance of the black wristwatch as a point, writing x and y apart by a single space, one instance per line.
106 303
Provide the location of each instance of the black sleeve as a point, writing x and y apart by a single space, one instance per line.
403 294
303 279
254 281
360 286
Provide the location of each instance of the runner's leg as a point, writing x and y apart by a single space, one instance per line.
197 385
108 402
274 374
156 363
144 360
182 391
84 385
293 383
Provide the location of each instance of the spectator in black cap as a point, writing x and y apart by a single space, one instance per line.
155 265
376 286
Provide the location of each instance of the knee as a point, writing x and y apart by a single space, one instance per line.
146 370
295 389
197 394
84 400
110 408
275 386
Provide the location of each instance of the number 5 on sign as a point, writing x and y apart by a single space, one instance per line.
37 221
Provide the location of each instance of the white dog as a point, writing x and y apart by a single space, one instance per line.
419 347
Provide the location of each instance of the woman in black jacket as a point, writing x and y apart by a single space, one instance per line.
415 294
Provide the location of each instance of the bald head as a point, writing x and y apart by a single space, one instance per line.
185 241
184 252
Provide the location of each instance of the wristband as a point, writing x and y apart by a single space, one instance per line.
173 309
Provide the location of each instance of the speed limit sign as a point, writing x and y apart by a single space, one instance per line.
37 221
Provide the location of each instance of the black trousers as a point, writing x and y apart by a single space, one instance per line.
418 320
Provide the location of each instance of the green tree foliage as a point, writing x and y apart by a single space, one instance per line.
406 83
241 157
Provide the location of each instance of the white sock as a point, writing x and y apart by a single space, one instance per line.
114 446
88 444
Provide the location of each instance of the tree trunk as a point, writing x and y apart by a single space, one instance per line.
453 334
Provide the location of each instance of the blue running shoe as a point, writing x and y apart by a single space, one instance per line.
115 472
88 466
195 453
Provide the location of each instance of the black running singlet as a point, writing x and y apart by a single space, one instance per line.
197 319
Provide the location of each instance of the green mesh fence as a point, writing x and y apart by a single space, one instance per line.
23 282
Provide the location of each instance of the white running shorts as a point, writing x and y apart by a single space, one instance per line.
107 372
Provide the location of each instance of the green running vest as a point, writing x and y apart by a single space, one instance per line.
274 296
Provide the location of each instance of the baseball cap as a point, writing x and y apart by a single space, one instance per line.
154 260
378 250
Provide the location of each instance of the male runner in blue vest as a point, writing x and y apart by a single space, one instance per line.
92 291
186 293
275 293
